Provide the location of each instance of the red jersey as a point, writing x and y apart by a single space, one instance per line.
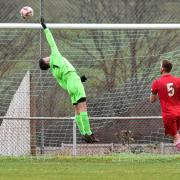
168 89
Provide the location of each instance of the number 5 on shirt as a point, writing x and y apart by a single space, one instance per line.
170 89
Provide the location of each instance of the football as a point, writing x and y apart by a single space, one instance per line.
26 12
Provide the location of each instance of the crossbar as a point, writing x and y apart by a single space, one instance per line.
88 26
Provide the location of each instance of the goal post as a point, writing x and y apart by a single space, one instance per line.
120 62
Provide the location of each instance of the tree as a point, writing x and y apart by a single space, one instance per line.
141 43
118 58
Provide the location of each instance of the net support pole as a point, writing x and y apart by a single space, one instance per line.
74 150
161 148
41 84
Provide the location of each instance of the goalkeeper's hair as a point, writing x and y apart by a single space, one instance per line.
43 65
167 65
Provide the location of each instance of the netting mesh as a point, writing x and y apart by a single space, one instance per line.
19 52
119 64
89 11
116 11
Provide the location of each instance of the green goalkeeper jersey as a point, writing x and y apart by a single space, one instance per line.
59 65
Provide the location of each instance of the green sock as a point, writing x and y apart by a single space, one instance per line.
80 124
85 121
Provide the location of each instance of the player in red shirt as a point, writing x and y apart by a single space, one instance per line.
167 88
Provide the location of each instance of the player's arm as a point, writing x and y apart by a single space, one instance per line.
154 91
49 37
153 97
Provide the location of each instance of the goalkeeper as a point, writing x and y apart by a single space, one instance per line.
66 76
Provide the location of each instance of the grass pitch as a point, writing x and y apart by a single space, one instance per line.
122 166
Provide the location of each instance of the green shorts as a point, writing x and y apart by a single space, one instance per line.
74 86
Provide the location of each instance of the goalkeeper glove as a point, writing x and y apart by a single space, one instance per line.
43 23
83 78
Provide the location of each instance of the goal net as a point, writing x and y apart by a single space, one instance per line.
120 65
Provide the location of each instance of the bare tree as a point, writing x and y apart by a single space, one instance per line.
140 42
118 56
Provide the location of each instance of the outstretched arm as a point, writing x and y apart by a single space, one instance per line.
49 37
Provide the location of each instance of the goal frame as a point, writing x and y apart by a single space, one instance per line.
88 26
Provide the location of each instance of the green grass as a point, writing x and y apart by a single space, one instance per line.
123 166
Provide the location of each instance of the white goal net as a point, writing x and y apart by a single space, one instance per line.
120 65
